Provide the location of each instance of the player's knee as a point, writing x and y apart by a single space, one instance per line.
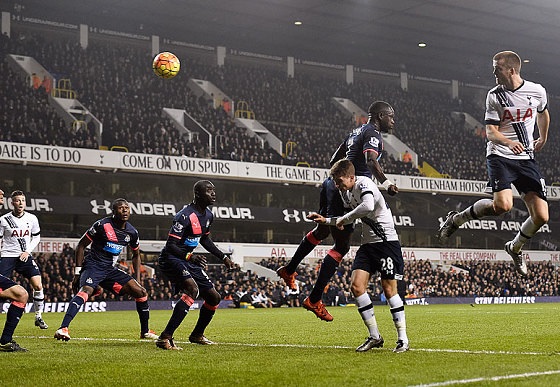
502 207
540 219
212 298
389 289
20 294
139 292
357 289
342 248
321 232
190 289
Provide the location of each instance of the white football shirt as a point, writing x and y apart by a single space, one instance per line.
515 112
368 203
16 233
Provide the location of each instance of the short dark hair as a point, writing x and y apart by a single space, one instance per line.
17 193
200 186
116 202
379 107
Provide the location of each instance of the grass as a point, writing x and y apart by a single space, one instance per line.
515 344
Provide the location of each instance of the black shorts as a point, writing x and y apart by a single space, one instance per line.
331 205
330 202
383 257
178 270
523 174
27 269
106 277
5 283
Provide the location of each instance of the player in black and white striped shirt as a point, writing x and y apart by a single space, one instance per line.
20 235
380 250
513 108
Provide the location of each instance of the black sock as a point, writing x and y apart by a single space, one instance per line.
204 318
304 248
12 319
73 309
179 313
328 268
143 310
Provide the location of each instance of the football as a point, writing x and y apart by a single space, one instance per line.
166 65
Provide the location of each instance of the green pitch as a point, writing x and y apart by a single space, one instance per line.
498 345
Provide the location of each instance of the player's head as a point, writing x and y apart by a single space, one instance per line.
204 192
121 209
1 197
507 66
18 202
383 115
343 174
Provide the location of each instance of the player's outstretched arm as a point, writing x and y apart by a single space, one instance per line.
317 218
209 245
377 172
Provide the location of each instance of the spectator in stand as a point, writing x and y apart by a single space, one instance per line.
407 157
297 102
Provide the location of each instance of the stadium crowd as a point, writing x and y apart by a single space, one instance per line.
298 110
422 279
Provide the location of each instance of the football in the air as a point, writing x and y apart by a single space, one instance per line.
166 65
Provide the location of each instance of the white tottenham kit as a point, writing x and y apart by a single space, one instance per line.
18 234
367 203
515 112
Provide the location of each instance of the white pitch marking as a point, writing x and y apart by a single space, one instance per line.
436 350
492 378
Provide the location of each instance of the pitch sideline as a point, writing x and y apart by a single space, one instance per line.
488 379
306 346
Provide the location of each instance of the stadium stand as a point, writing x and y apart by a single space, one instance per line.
298 110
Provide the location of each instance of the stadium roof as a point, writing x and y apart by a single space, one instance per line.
461 36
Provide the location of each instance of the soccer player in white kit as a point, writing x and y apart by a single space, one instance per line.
20 235
512 109
380 250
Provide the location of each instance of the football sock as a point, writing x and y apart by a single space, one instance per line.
143 310
328 268
38 302
365 307
306 246
397 310
179 313
526 232
73 309
204 318
480 209
15 311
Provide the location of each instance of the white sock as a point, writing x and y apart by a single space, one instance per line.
527 230
480 209
365 307
397 310
38 302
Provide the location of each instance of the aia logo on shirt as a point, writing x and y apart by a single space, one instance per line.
517 115
16 233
